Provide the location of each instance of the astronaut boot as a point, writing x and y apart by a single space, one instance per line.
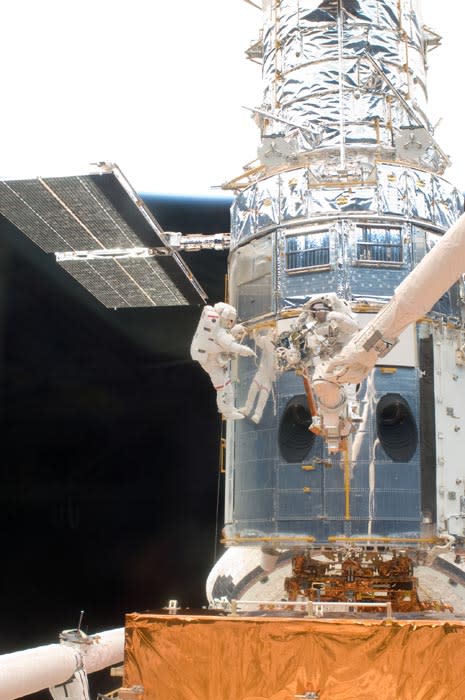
260 407
233 415
225 403
246 410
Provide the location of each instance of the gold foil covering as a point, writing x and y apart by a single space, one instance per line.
183 657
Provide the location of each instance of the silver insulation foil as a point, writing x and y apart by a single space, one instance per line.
345 75
397 191
349 201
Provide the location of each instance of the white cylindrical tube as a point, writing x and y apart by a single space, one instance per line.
25 672
414 297
429 280
107 649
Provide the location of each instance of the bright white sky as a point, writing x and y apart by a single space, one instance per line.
157 87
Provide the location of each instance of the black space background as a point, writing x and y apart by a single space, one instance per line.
109 463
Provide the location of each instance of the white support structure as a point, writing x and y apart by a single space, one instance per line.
199 241
113 253
449 380
177 241
26 672
310 607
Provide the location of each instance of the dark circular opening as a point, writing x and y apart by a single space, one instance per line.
396 427
294 438
391 414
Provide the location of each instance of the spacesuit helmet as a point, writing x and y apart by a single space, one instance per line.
319 310
227 314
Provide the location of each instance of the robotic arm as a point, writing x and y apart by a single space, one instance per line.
414 297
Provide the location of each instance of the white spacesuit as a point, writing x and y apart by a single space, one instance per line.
264 378
213 345
329 325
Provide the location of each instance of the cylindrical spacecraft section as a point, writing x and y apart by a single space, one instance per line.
342 74
347 203
283 487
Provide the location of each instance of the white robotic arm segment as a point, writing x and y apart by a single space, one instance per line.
357 358
415 296
431 278
26 672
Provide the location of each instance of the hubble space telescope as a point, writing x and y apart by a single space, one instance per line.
359 444
338 357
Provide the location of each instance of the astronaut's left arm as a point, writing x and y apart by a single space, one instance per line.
226 341
344 323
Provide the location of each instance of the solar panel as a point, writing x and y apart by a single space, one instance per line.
143 281
98 213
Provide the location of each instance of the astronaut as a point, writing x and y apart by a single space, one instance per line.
263 380
213 345
330 325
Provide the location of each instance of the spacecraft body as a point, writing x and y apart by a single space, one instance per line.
347 200
343 446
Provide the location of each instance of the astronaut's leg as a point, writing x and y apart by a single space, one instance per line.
225 401
251 396
261 403
224 390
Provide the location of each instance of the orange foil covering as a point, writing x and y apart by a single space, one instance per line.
186 657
